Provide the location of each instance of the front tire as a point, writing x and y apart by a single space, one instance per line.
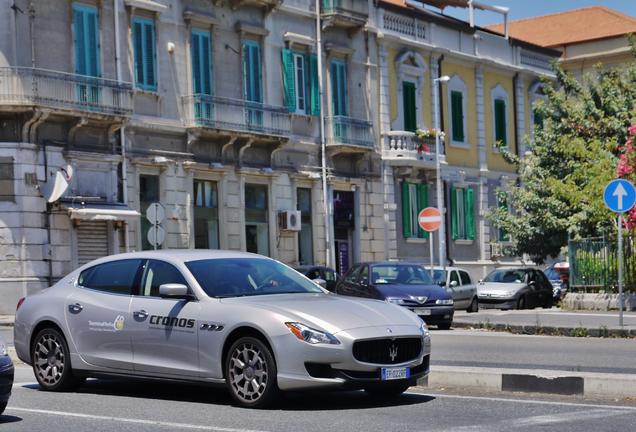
521 303
52 362
444 326
388 391
474 306
250 373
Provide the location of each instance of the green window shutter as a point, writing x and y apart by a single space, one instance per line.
469 212
86 29
138 52
457 115
252 73
289 84
422 203
93 43
314 94
201 62
408 97
144 53
500 121
502 203
454 227
150 55
406 211
80 40
339 87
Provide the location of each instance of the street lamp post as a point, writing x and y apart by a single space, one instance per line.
438 172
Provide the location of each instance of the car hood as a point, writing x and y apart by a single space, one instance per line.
401 291
498 287
331 312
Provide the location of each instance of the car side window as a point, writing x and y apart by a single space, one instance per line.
465 277
543 280
363 279
157 273
454 277
313 274
352 276
330 276
115 277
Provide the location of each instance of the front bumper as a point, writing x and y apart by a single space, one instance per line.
497 303
6 378
303 366
438 314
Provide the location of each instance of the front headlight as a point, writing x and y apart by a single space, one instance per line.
424 330
3 349
310 335
446 302
394 300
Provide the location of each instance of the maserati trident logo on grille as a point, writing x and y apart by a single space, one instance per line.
393 351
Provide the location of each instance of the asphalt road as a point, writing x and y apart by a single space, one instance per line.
124 406
504 350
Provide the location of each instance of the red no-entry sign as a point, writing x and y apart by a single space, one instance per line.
429 219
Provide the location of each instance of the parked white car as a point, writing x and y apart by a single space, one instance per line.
461 286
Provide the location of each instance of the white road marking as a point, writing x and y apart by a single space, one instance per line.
565 417
524 401
22 384
179 426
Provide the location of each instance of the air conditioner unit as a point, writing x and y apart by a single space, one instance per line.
289 220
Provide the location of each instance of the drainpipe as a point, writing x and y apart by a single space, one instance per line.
323 143
122 131
514 112
31 32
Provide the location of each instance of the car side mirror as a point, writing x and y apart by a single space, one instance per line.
532 283
442 283
453 284
173 290
320 282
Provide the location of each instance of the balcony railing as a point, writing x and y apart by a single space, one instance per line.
236 115
403 145
344 13
61 90
349 131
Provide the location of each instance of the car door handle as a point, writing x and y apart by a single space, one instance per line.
75 308
141 314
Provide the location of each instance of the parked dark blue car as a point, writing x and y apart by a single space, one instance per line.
405 284
6 376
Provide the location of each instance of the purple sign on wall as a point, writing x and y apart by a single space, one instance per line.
343 257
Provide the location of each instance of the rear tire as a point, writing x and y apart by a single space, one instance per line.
250 373
444 326
52 362
387 392
474 306
521 303
548 303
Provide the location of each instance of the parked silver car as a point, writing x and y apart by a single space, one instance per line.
218 317
515 288
460 285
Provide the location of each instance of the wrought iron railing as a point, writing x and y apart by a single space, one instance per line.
353 8
61 90
235 115
407 145
349 131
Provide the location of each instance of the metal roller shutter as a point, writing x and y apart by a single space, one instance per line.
92 241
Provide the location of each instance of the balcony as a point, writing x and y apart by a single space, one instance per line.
348 14
22 86
268 5
403 148
348 135
236 116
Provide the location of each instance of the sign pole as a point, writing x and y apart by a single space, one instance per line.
430 237
620 270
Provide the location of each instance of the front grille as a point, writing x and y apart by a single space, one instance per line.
387 351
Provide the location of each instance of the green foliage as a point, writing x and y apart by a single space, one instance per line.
573 156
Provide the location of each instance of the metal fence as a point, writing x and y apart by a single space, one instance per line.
594 264
349 131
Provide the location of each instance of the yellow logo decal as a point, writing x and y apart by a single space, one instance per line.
119 323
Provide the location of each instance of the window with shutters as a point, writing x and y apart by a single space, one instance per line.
414 200
458 111
86 47
7 189
145 53
206 215
253 83
502 203
339 87
500 117
300 82
409 106
462 213
201 57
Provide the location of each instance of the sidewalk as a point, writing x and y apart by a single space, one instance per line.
553 322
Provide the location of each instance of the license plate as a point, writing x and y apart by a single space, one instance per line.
422 311
395 373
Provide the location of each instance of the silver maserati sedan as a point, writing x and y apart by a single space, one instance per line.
228 318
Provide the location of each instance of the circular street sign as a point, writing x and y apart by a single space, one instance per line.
155 213
429 219
156 235
619 195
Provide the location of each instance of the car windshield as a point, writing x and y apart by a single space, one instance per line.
439 276
387 274
237 277
506 276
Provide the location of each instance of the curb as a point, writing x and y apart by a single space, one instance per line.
534 381
549 330
6 324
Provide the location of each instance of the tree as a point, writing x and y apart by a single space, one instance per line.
574 154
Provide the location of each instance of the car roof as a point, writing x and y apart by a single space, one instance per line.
448 268
182 255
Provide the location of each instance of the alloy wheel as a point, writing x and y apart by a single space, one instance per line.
248 372
49 359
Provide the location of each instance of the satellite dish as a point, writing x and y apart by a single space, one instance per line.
53 189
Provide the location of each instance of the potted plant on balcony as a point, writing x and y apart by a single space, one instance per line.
426 141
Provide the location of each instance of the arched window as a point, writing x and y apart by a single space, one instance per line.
410 68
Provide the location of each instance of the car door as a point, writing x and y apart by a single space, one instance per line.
546 288
454 285
534 293
468 288
348 284
164 330
363 286
98 313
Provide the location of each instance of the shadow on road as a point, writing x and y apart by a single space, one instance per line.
293 401
4 419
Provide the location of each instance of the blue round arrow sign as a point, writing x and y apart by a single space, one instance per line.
619 195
